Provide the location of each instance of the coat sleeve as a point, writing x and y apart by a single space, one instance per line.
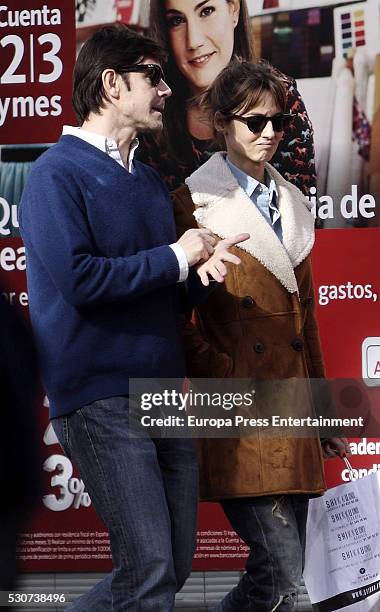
323 397
202 359
316 365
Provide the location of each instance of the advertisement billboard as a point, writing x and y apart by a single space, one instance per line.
37 58
332 50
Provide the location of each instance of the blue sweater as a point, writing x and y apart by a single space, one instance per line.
101 276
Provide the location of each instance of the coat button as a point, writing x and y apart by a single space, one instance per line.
259 347
297 344
247 301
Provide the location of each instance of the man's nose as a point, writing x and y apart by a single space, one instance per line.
163 89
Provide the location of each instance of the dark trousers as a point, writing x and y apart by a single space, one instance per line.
146 493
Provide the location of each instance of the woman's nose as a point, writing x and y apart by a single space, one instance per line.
195 36
268 130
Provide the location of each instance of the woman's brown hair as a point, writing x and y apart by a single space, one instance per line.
241 86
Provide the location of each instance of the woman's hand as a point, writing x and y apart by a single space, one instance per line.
335 447
214 266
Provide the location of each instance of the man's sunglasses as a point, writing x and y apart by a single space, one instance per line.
154 72
256 123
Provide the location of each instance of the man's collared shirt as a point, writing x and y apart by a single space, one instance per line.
109 146
263 195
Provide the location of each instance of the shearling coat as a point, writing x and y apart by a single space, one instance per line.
259 323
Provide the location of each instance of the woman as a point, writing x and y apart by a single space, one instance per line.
260 323
201 38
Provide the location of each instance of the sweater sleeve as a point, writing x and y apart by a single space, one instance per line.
54 225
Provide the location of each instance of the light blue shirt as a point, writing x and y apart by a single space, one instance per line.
263 195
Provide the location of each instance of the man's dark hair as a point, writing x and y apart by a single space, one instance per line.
116 47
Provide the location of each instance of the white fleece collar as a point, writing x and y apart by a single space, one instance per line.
223 207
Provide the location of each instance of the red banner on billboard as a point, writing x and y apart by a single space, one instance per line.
37 41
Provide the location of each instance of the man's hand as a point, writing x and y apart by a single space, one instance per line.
335 447
214 266
198 244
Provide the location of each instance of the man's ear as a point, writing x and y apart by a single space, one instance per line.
220 123
111 85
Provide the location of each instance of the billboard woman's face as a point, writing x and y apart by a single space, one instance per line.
201 34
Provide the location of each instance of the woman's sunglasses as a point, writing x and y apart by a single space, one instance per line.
154 72
256 123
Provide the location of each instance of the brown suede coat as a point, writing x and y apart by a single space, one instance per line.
260 323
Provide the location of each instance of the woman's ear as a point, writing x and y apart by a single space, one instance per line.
235 10
220 123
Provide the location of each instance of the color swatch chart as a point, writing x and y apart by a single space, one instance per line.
350 28
300 42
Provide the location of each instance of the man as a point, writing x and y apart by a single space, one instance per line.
103 271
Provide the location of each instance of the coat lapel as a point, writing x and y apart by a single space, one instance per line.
224 208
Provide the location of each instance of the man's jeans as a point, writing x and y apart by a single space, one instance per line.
274 529
146 493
